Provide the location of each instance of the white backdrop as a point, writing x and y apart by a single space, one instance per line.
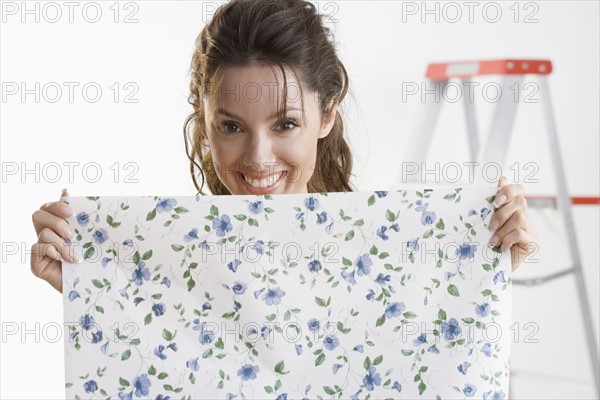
138 53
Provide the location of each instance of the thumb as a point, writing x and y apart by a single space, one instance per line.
64 192
503 181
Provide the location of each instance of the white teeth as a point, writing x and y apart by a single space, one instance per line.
263 183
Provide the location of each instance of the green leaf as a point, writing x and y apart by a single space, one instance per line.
214 211
147 255
177 247
279 367
409 314
378 360
148 319
320 301
390 216
181 210
329 390
349 235
422 388
151 215
453 290
97 283
167 335
380 320
442 314
136 258
407 352
252 222
162 375
126 354
371 200
151 370
367 363
123 382
320 359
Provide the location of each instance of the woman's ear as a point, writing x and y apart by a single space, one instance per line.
329 120
196 108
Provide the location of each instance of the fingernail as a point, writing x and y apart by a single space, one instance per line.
494 225
494 240
500 200
67 211
68 233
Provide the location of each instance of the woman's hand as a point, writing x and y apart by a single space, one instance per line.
52 230
511 223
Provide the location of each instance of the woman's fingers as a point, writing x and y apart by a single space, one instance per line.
44 264
46 217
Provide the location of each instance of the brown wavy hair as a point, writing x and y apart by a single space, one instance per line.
281 33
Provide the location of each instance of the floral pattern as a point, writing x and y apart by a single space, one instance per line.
385 294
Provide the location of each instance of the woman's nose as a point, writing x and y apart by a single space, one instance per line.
259 154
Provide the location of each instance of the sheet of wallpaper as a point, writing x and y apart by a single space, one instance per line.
386 294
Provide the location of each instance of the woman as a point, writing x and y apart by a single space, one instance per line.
266 85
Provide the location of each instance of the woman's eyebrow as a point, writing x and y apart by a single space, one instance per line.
232 115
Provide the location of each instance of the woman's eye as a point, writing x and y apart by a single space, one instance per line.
227 125
289 125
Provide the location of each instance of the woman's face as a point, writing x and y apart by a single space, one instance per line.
253 152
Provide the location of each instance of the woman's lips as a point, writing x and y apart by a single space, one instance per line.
263 190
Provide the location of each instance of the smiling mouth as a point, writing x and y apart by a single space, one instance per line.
264 183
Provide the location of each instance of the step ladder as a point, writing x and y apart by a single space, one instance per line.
511 71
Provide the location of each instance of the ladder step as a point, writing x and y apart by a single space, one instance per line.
464 69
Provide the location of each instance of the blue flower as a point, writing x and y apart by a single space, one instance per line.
273 296
311 203
233 265
236 305
363 264
421 206
90 386
487 349
330 342
394 309
158 351
141 273
192 363
96 337
395 227
100 236
427 218
471 212
358 348
299 215
127 243
125 396
206 336
322 217
282 396
265 331
466 251
313 324
142 384
172 346
73 295
314 266
372 378
397 386
165 281
482 310
206 306
159 309
86 321
349 276
83 218
248 371
161 397
413 245
469 390
191 235
422 338
448 275
499 395
222 225
165 205
105 261
239 287
499 277
450 329
259 247
335 368
381 232
484 212
462 368
255 207
433 349
381 194
382 279
258 292
298 349
370 294
138 300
